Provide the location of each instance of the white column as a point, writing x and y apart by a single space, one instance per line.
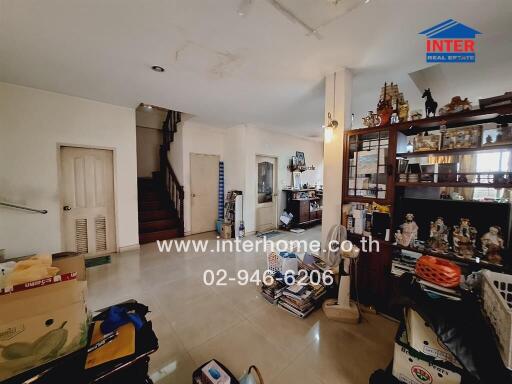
338 89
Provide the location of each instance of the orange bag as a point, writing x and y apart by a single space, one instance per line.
438 271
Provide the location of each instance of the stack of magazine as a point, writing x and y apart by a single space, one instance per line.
272 292
298 300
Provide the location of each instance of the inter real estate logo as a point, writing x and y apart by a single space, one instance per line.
451 42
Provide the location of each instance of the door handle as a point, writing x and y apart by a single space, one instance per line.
66 208
193 195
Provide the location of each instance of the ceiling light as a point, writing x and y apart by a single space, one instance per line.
366 1
147 107
157 68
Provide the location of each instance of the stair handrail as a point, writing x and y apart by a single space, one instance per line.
10 205
173 189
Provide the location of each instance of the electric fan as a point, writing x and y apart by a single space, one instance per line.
341 309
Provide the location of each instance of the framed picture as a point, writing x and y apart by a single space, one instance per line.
466 137
497 136
424 143
296 184
301 161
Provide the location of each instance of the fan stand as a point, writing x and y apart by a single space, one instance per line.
342 309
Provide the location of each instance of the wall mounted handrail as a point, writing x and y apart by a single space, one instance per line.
42 211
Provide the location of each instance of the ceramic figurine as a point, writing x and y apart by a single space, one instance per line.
464 238
408 231
456 105
371 120
403 111
438 240
416 115
430 104
492 244
394 118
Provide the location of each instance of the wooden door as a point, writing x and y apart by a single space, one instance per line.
266 194
204 191
87 196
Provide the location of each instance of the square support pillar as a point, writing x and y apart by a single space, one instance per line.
338 89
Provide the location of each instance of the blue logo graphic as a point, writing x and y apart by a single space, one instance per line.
450 42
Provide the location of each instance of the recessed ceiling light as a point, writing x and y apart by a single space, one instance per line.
366 1
147 107
157 68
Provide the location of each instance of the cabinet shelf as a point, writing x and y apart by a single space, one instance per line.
452 184
460 151
486 115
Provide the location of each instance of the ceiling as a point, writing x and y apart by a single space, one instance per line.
266 67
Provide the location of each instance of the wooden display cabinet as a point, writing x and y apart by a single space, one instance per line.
370 154
368 167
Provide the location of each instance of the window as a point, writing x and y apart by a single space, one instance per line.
491 162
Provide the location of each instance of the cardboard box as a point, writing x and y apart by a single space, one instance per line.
413 367
423 339
41 321
69 262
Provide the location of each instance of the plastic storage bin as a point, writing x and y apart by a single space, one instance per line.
497 303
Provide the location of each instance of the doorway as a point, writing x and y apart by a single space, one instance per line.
87 197
204 190
266 194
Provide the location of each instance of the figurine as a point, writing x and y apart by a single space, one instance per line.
408 232
371 120
438 235
403 111
464 238
430 104
385 106
416 115
394 118
456 105
492 244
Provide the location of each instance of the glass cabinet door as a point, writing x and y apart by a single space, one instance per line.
368 165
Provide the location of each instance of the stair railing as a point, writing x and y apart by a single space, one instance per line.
173 189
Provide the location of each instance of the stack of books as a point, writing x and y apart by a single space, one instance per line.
273 292
318 290
297 300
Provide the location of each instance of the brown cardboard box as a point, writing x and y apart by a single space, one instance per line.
40 322
68 262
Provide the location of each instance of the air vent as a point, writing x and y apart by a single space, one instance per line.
100 225
81 239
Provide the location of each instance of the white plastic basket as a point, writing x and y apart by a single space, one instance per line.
277 263
497 302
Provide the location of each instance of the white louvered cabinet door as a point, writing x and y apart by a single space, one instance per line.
87 195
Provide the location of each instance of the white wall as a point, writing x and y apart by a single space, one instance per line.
193 137
148 151
32 123
237 147
245 142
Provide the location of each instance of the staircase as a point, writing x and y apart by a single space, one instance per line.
161 196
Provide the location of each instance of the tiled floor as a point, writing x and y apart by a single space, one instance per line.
233 324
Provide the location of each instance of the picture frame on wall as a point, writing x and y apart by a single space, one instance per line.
301 160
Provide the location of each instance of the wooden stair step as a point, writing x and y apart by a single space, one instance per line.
156 215
149 196
166 234
151 205
158 225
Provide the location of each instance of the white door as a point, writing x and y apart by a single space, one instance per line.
204 191
87 196
266 202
